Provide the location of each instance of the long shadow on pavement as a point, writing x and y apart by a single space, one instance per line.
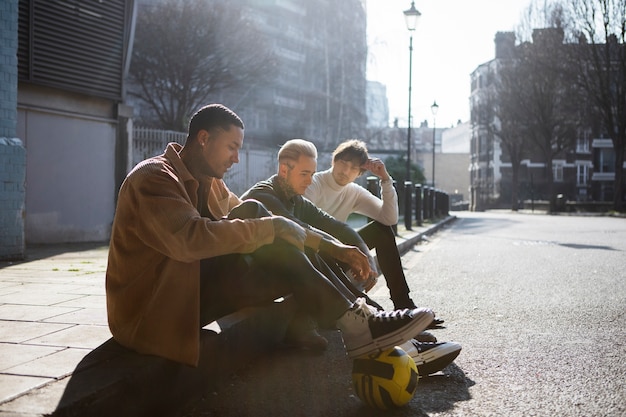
114 381
296 383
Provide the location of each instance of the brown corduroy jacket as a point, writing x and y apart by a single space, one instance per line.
157 241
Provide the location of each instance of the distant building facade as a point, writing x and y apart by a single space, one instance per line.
319 89
452 172
583 173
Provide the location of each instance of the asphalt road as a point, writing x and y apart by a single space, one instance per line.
538 303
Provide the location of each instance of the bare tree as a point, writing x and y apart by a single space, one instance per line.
186 52
548 100
601 26
539 105
507 124
340 68
544 14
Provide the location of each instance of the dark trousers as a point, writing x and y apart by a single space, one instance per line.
377 235
231 282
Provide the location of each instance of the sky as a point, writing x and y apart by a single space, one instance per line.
452 38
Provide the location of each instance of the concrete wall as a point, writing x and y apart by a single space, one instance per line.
70 171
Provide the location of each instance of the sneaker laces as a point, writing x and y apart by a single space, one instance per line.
391 315
367 311
363 309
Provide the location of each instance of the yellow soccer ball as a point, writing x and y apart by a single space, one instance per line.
385 380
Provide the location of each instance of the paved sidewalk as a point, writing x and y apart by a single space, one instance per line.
52 314
53 323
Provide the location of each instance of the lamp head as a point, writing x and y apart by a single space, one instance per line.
434 108
411 16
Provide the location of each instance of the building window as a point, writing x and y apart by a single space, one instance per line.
582 173
557 171
582 144
254 118
606 160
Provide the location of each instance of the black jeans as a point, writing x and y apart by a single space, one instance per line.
377 235
231 282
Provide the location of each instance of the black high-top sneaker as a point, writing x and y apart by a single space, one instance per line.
365 330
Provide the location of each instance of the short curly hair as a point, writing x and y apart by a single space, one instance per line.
212 116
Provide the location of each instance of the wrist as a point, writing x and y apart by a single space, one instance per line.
313 240
324 246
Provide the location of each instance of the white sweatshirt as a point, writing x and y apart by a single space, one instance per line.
340 201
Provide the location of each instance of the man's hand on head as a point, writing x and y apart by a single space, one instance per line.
377 167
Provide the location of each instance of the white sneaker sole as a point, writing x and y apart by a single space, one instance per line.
395 338
437 358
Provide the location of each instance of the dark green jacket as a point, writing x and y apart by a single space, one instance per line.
302 211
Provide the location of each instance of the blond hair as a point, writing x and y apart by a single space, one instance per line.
293 148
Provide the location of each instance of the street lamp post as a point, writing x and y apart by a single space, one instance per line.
434 108
411 15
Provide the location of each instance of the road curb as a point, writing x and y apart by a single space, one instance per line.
413 238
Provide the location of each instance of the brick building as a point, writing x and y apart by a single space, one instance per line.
581 172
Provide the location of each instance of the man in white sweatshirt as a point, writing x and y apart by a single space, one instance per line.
335 192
